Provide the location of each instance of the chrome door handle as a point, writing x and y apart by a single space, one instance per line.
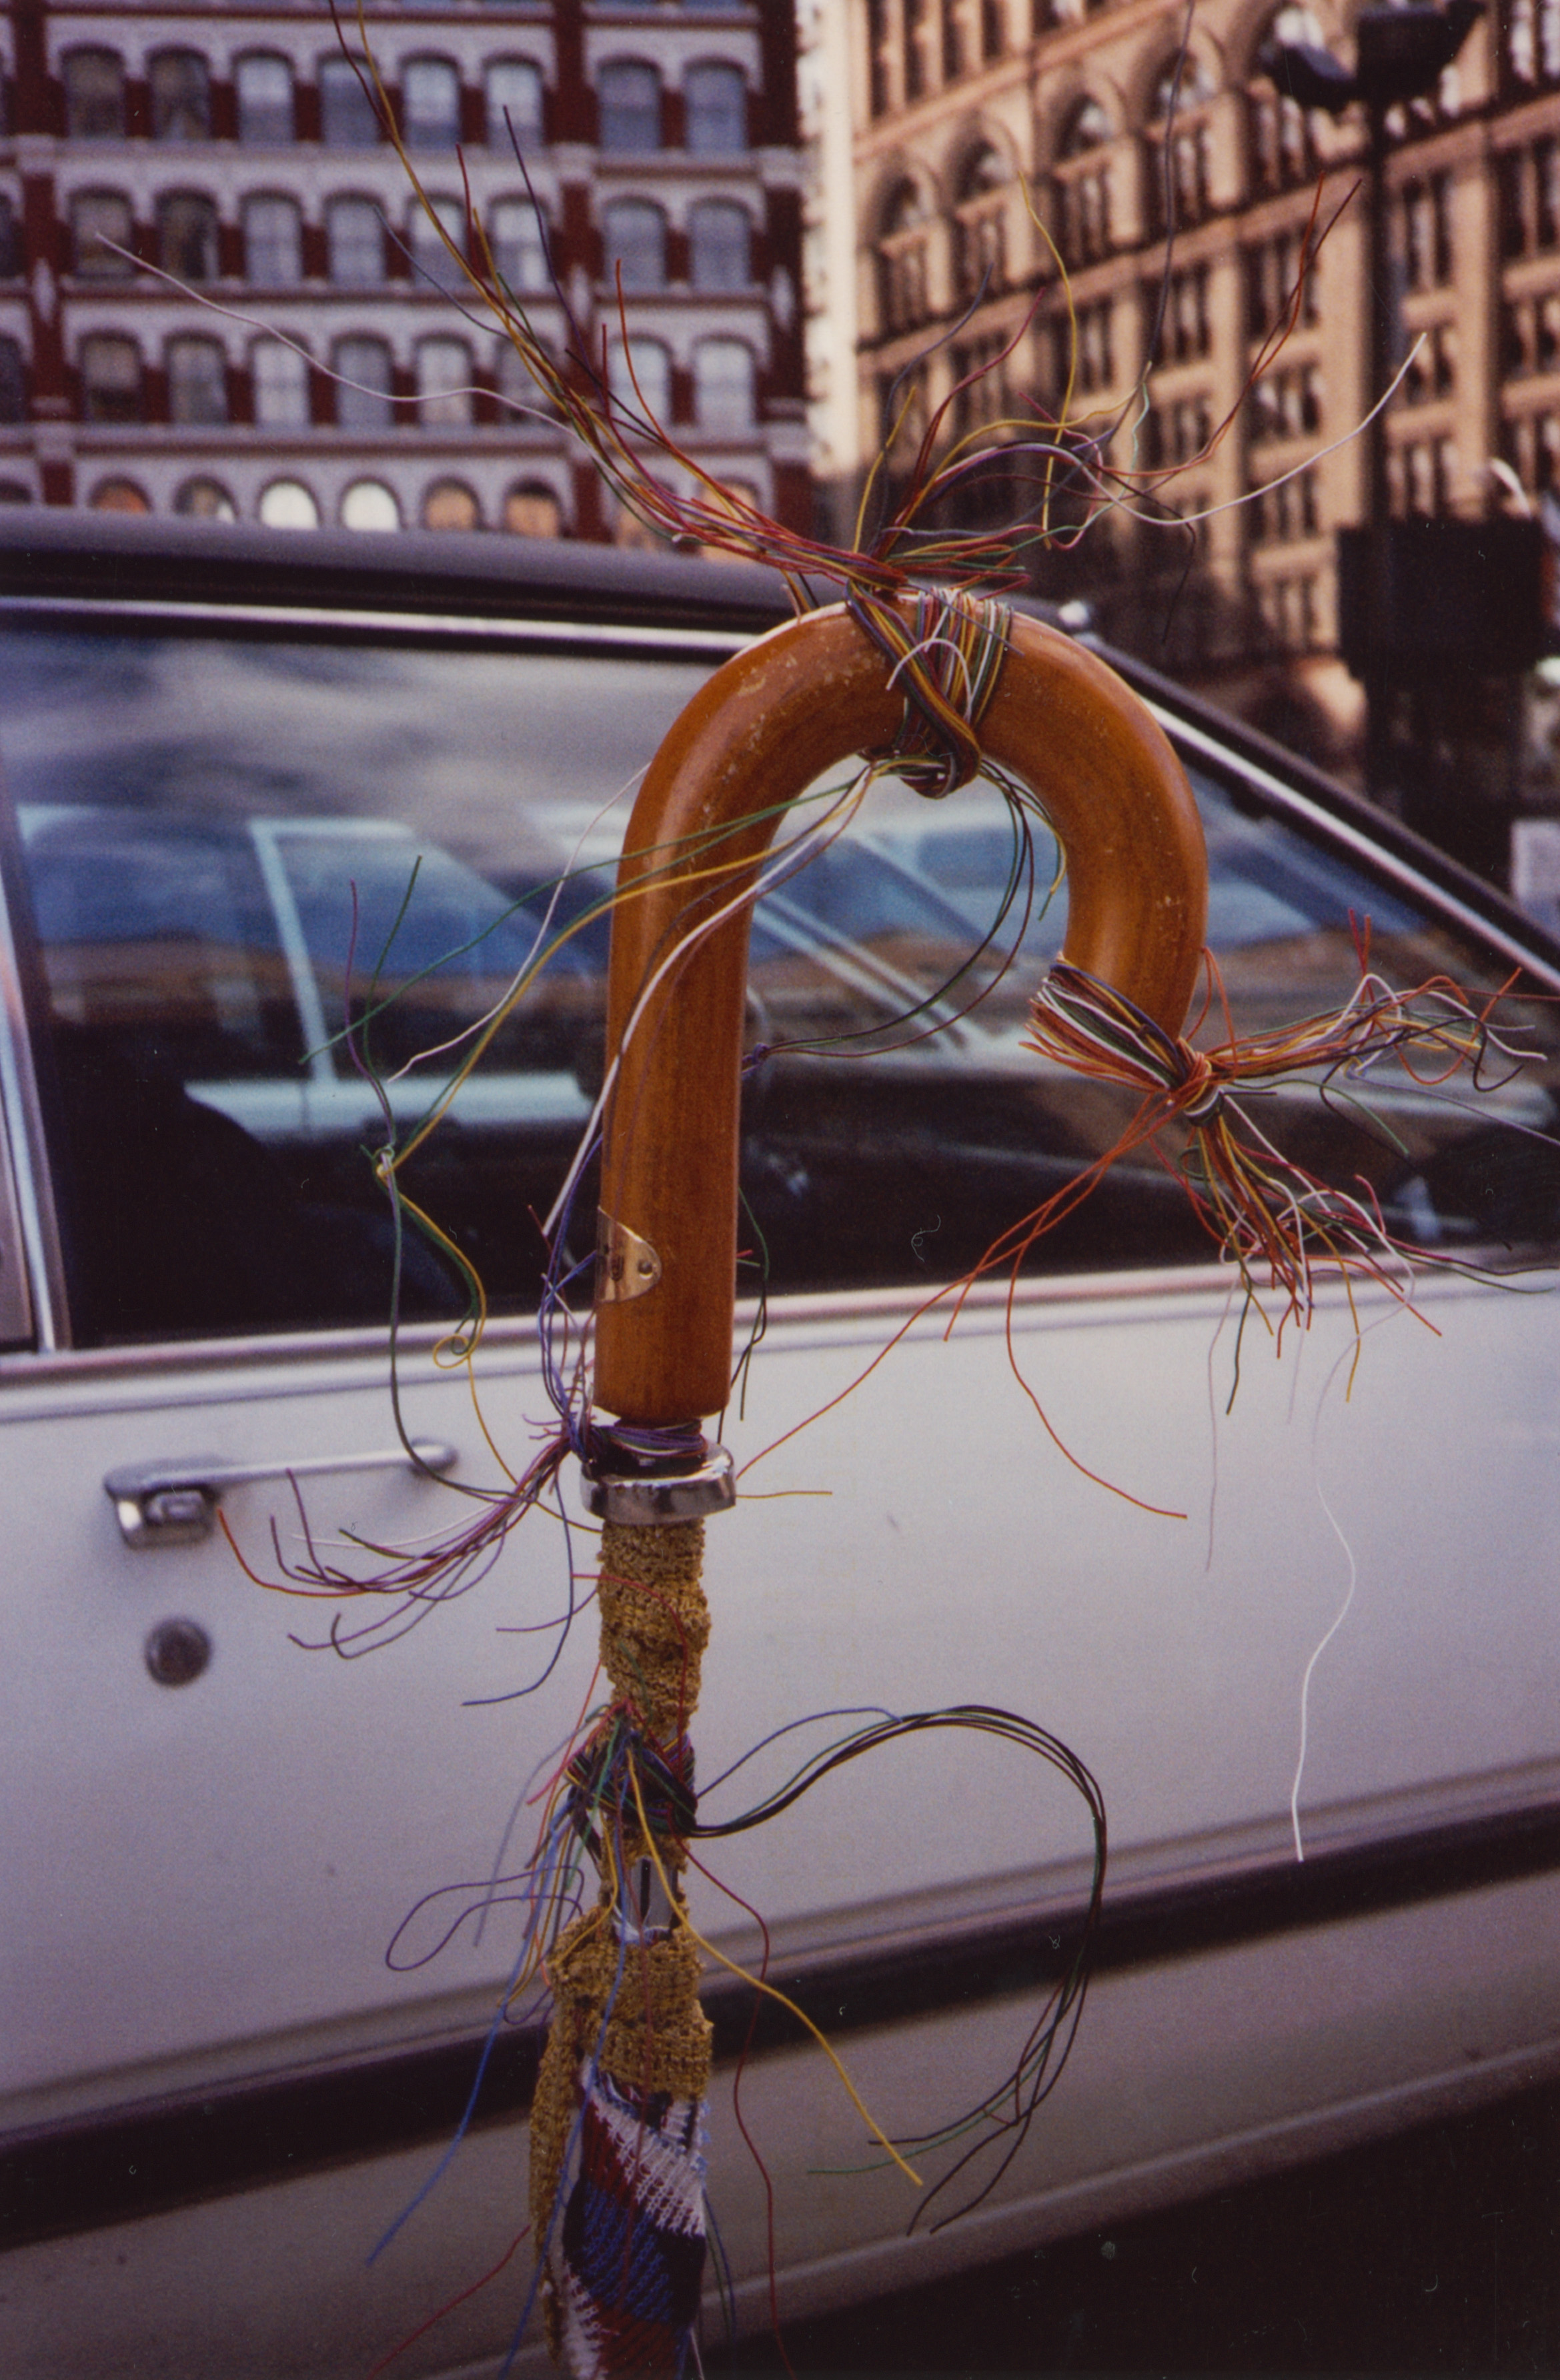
174 1502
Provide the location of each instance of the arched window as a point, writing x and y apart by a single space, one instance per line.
651 369
980 224
94 95
181 96
723 386
349 117
101 230
519 254
355 243
519 398
903 296
197 383
119 496
273 242
13 382
628 107
720 245
444 382
1083 186
187 237
1282 152
279 378
205 500
449 503
430 103
716 99
370 505
513 90
264 87
532 510
362 396
111 380
634 244
1178 145
287 503
434 266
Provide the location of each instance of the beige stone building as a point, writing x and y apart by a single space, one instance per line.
994 138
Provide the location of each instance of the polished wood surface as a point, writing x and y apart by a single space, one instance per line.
766 725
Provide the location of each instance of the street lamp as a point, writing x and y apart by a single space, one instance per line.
1400 55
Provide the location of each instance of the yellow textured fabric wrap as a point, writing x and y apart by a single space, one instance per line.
654 1625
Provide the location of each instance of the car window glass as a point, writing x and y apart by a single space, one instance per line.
218 843
227 847
911 1167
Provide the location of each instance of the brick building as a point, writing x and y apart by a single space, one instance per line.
233 147
1181 227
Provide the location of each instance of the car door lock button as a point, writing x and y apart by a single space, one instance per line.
177 1652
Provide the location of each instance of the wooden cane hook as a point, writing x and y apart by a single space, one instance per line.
765 727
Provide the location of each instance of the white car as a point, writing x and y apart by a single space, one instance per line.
1294 1605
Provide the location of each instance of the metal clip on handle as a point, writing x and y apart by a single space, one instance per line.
766 725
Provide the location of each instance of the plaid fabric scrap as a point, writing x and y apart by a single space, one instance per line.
633 2232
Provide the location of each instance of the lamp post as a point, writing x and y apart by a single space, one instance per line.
1400 55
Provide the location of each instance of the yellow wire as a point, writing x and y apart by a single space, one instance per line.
759 1986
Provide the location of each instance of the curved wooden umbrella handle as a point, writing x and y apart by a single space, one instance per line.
766 725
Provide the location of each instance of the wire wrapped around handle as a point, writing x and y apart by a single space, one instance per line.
765 727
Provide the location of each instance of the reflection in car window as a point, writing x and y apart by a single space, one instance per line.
224 847
211 835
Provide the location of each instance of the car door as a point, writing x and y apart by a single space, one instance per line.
214 844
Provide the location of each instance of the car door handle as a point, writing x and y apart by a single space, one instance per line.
174 1502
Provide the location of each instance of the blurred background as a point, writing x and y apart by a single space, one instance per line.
1207 240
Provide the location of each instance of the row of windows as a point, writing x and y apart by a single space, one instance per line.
1532 41
1290 612
1082 224
1275 291
1432 370
1178 432
529 509
435 113
1422 478
1282 278
1529 197
1531 446
1282 151
360 248
285 391
1287 403
1173 154
1283 512
1530 335
957 37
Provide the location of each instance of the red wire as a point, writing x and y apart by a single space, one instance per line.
412 2337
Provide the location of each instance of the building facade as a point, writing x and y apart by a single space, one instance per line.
998 142
219 296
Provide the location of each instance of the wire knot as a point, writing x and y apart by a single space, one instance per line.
946 661
1090 1026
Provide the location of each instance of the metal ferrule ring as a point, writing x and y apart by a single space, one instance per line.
645 1501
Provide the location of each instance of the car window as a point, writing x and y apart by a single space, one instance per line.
911 1167
221 845
225 848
